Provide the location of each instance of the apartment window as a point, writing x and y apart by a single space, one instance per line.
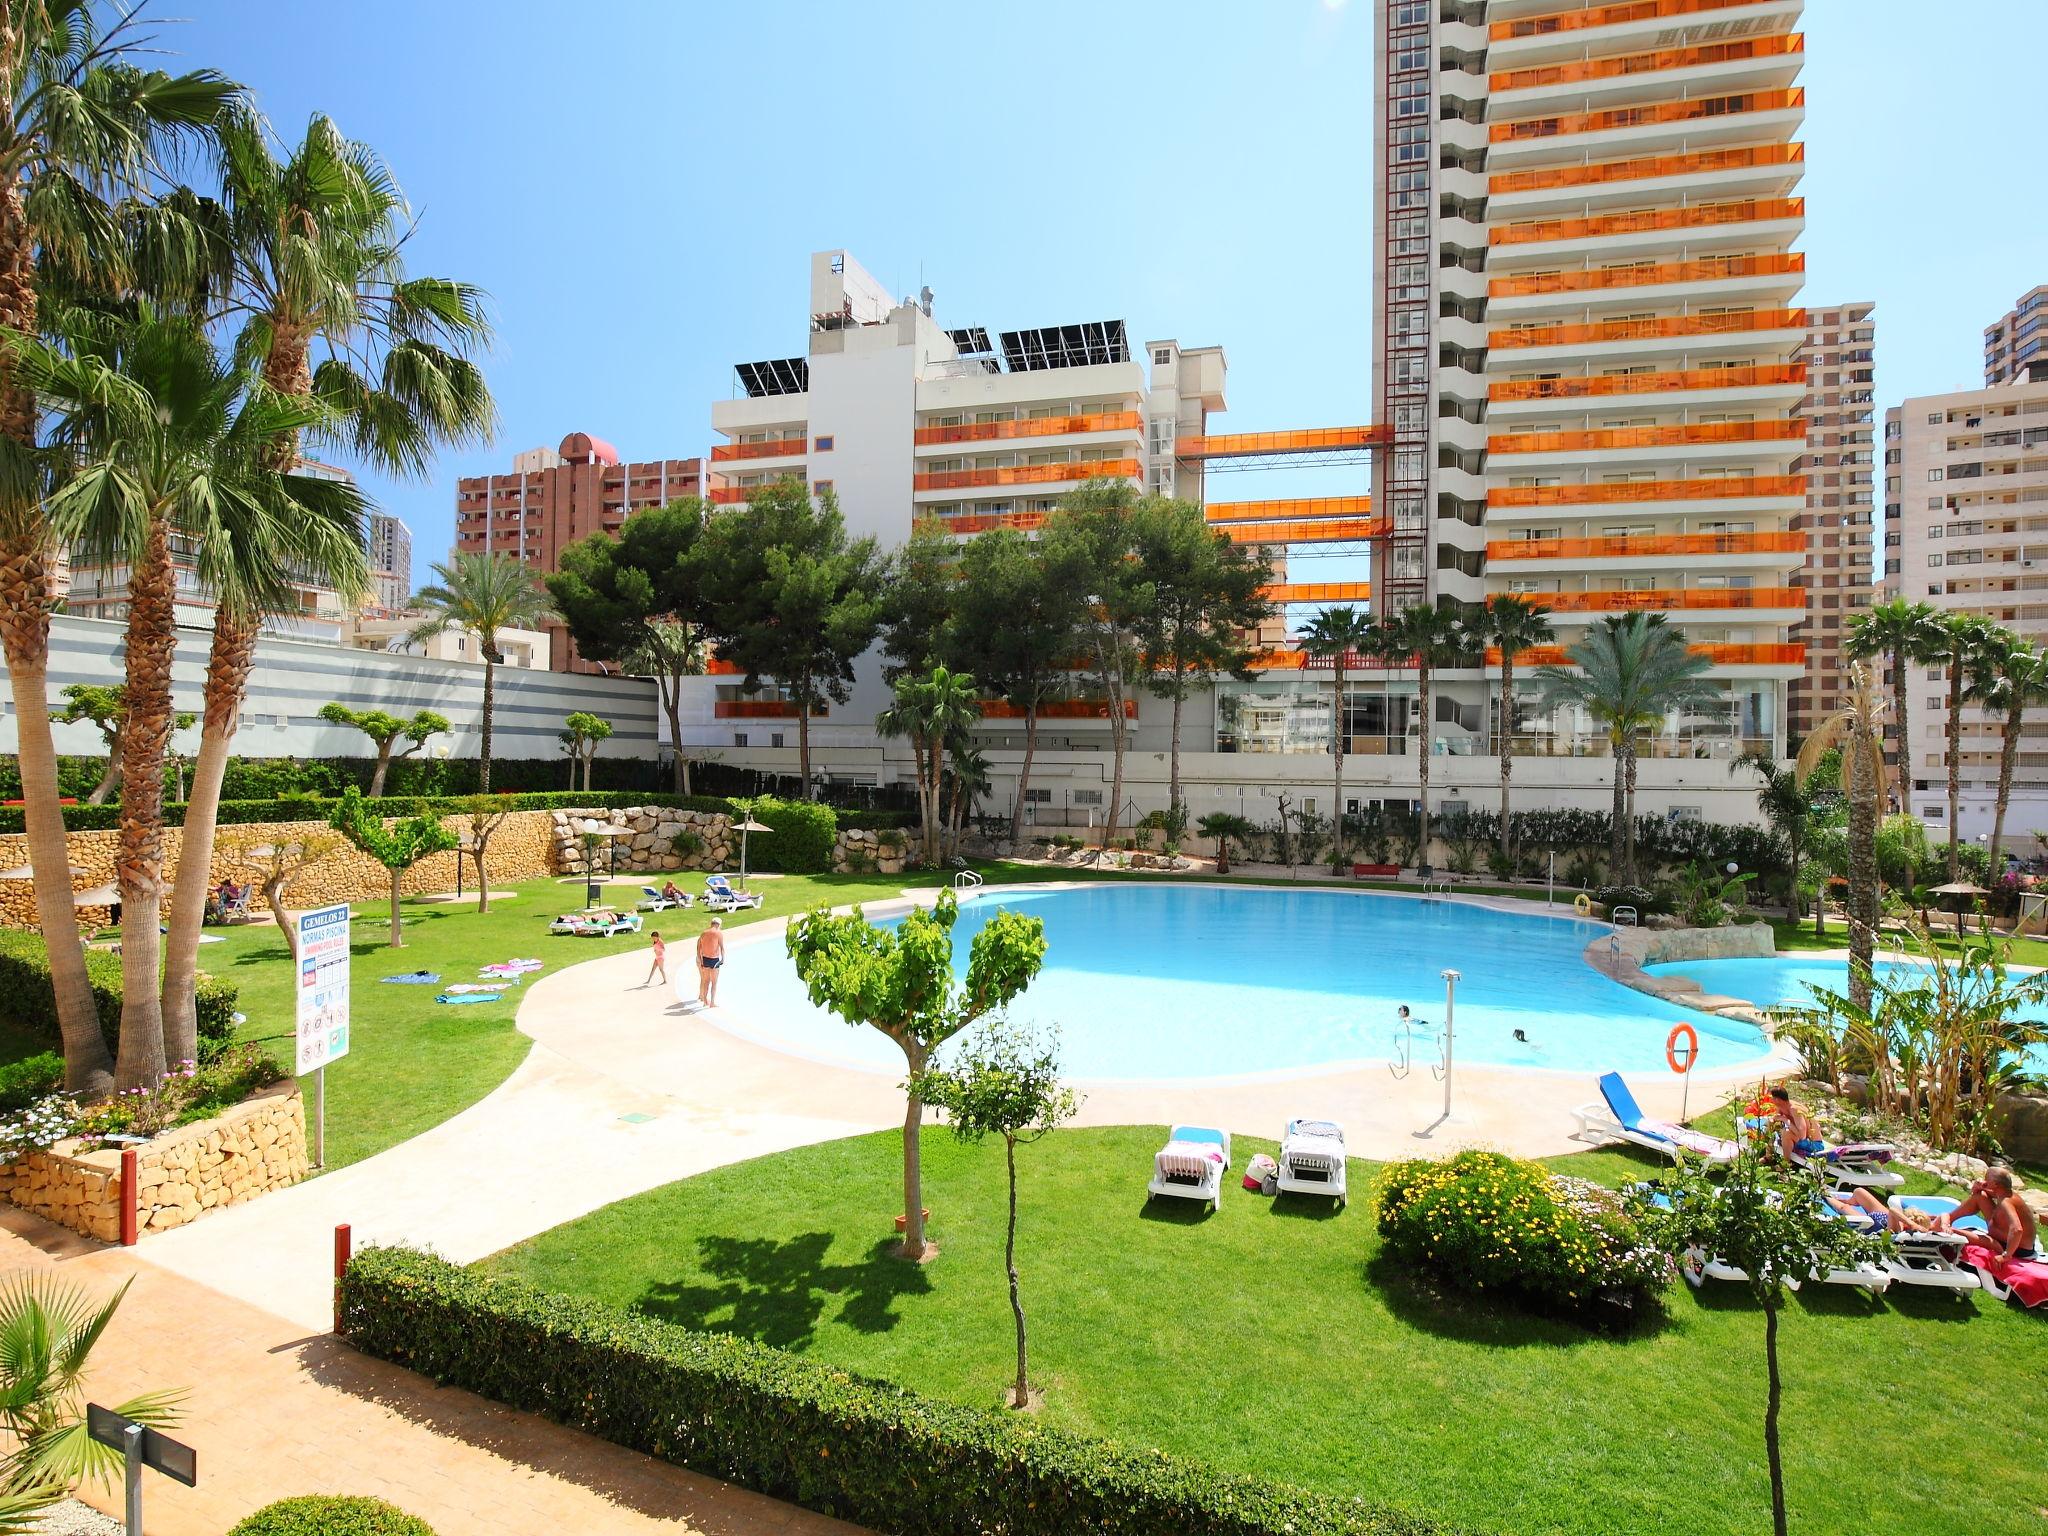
1087 797
1935 558
820 487
1934 474
822 444
775 739
1934 418
739 738
1162 355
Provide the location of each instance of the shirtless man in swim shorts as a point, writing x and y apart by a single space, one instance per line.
2014 1234
710 956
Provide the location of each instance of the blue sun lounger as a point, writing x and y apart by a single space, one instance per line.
1619 1118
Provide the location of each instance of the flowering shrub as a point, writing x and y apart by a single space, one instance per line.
186 1093
1486 1222
42 1124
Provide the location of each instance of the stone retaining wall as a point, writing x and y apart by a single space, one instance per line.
649 843
257 1146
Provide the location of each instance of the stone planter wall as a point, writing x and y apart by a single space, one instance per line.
257 1146
649 845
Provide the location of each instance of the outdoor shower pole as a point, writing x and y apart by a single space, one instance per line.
1450 1033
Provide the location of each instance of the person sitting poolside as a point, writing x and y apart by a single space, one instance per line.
1797 1135
2013 1233
1861 1202
670 891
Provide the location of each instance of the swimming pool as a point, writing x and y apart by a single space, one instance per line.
1171 981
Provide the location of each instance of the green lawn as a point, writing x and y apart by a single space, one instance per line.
1270 1339
1793 937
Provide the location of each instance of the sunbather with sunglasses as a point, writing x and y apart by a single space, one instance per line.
2013 1233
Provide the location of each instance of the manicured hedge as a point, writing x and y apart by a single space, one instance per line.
801 1430
801 840
28 998
327 1515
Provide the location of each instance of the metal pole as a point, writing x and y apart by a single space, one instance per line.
131 1452
1450 1033
1550 896
1685 1091
320 1116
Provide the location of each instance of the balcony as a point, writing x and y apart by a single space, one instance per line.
1647 116
1682 435
1246 445
1669 599
987 522
760 709
1719 489
1601 386
1745 655
1696 216
1646 168
1621 65
1056 709
1708 270
1287 507
774 448
1636 546
1604 16
1026 474
1662 328
1317 592
1303 530
1038 426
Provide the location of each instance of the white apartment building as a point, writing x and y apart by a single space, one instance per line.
1967 502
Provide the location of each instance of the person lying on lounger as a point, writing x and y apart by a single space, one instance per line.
2013 1233
1861 1202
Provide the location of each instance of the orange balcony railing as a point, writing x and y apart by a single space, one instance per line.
759 709
1618 65
717 668
1669 599
1681 435
1245 445
1720 488
1274 511
1627 545
1646 167
1334 530
1744 655
1025 474
1318 592
986 522
1727 323
1056 709
1645 116
774 448
1298 660
729 495
1037 426
1603 16
1707 269
1696 216
1594 386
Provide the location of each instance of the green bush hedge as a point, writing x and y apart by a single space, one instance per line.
802 1430
327 1515
32 1078
1485 1222
101 818
801 841
28 998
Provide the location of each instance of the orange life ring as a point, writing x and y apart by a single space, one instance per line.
1692 1048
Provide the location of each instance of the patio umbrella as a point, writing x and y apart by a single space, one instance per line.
1959 888
27 872
606 830
746 827
98 896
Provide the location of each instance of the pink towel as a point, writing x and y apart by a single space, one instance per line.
2025 1278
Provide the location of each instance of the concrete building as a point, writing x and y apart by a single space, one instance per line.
555 496
1840 514
2018 340
528 649
1967 500
390 562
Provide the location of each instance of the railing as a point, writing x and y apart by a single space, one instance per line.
1317 592
1301 506
1645 167
1694 216
1650 330
1646 63
1624 545
1056 709
1590 744
985 522
1337 530
1603 16
1588 386
775 448
1659 599
760 709
1644 116
1244 445
1037 426
1718 489
1676 436
1354 661
1707 269
1747 655
1025 474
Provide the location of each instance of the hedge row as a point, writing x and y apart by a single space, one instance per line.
28 998
267 778
331 1515
800 1430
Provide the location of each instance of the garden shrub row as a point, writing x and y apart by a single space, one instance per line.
29 999
331 1515
801 839
801 1430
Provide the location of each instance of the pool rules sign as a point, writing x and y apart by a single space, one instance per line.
323 1006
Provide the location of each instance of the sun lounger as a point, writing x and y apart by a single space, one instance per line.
1312 1159
1191 1165
652 900
719 896
1931 1259
1619 1118
1858 1164
2022 1280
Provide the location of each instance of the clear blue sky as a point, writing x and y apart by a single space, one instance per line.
639 185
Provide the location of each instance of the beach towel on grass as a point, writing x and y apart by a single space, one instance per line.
468 997
478 986
2025 1278
413 979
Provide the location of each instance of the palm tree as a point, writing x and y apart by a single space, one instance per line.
1960 642
1339 634
483 594
1226 827
1906 633
1510 625
168 441
1857 728
1628 673
2007 678
1432 637
1786 803
931 710
82 124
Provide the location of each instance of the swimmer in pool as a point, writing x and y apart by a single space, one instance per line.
1522 1038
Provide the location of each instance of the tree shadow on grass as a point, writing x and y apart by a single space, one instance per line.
775 1290
1431 1307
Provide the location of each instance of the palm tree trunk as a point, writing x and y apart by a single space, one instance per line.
139 856
1024 772
1955 754
1022 1396
2008 759
1422 838
25 632
1862 903
483 770
1618 813
1903 763
227 676
1337 741
1628 842
1505 723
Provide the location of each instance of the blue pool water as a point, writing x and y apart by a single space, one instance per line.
1162 981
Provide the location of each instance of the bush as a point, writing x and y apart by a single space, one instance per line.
29 999
1641 897
803 834
24 1082
1486 1222
800 1429
302 805
327 1515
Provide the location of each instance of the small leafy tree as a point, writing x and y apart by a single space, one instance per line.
384 731
482 815
580 740
272 868
900 981
1772 1226
1005 1083
105 706
397 847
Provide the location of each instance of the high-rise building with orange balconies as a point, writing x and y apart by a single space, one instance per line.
1588 338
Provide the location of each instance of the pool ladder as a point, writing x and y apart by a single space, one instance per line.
1435 887
967 881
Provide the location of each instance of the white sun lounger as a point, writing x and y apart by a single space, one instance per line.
1860 1164
1698 1267
1192 1165
651 899
1312 1159
719 896
1619 1118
